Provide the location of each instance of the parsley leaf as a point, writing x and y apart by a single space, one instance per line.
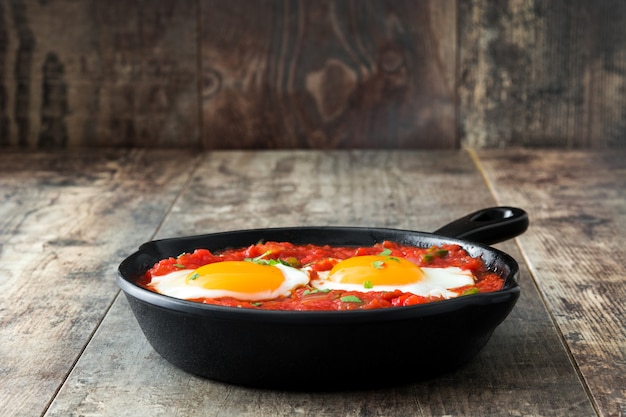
378 264
260 260
350 299
313 291
470 291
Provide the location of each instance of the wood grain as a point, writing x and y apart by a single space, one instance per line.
576 250
273 74
251 189
117 73
542 74
328 74
523 369
66 218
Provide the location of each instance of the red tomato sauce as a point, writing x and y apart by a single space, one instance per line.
323 258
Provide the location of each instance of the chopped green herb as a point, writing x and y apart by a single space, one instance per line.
393 258
261 256
470 291
262 261
378 264
193 276
181 266
256 304
313 291
440 253
368 284
427 257
270 262
351 299
385 252
292 261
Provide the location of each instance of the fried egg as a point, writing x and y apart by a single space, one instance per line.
388 273
239 279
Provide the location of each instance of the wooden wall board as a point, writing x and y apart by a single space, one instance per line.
66 220
577 199
328 74
542 74
120 375
89 73
325 74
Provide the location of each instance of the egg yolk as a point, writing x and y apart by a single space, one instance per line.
238 276
376 270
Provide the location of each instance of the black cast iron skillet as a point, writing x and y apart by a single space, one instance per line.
328 350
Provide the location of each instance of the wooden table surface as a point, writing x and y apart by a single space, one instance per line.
70 346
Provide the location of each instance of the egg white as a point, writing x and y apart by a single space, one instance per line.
174 285
436 283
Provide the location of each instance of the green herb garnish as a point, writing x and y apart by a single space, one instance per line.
193 276
181 266
273 262
350 299
470 291
313 291
260 260
386 253
378 264
292 261
434 252
368 284
257 304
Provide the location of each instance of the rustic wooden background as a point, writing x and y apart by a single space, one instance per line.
219 74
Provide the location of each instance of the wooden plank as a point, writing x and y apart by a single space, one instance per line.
576 250
90 73
328 74
536 73
251 189
523 367
65 220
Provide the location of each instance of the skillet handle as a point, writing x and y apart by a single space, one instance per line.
488 226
